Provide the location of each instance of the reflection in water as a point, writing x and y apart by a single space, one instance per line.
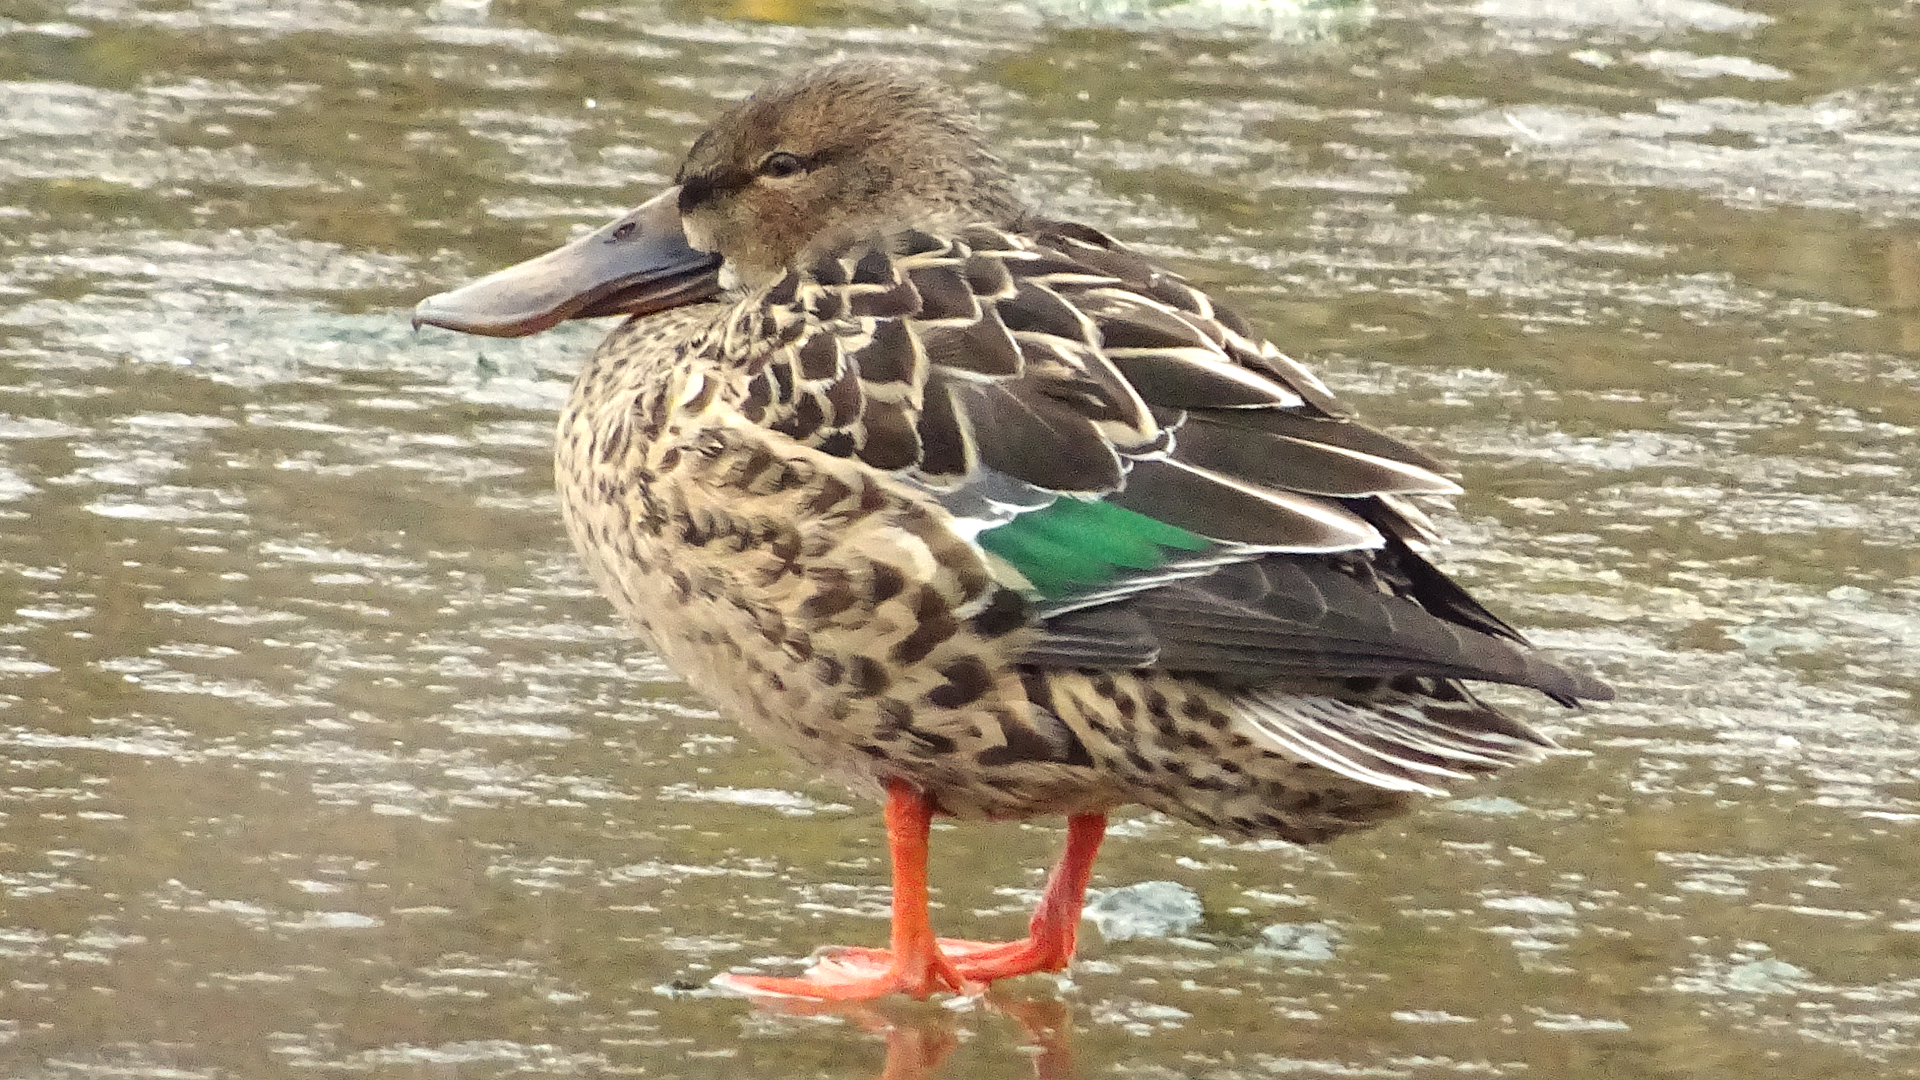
919 1038
319 757
1903 288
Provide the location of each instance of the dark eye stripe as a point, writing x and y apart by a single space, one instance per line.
698 190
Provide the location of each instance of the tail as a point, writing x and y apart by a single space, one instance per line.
1409 734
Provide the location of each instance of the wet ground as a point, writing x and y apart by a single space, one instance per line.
320 757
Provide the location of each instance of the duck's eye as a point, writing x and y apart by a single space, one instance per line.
780 163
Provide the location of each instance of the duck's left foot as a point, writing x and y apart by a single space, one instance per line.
985 961
1051 934
979 962
855 974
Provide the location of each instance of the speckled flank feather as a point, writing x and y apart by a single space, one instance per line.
844 506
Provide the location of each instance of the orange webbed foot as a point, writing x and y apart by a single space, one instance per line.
986 961
857 974
976 962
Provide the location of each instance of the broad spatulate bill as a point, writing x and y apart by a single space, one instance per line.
987 514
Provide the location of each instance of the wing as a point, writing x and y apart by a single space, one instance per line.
1167 489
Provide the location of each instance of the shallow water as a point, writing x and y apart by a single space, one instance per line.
319 755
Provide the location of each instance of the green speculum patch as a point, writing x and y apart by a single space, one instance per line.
1074 545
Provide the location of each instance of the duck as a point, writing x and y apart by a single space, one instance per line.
985 514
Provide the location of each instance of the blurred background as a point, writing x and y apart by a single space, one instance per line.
319 756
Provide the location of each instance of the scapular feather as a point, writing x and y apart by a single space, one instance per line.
1036 438
1035 309
946 445
1129 321
1194 377
1345 434
943 293
1225 509
1299 464
982 347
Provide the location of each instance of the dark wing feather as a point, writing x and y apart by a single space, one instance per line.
1108 636
1305 618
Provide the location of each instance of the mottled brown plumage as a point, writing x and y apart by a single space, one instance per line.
987 511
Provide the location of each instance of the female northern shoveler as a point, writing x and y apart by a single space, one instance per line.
986 512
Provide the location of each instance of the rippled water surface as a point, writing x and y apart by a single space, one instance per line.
319 755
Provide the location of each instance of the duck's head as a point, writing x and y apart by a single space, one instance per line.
843 153
839 154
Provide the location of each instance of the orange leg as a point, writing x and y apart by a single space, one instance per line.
914 964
